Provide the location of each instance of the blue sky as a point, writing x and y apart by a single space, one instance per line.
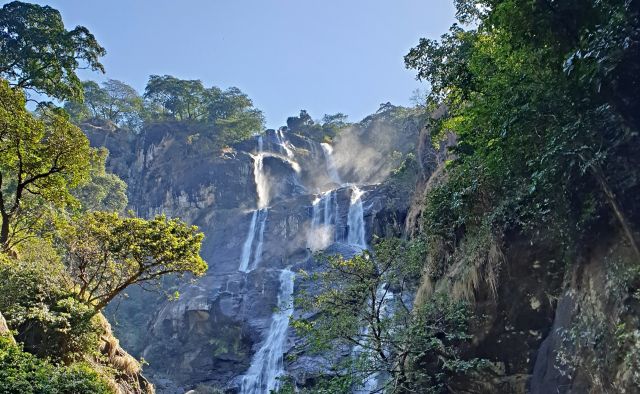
323 56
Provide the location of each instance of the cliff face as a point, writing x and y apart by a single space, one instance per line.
266 203
551 317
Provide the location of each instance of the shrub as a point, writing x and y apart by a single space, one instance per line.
23 373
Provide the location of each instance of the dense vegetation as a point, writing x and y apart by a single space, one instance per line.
67 248
542 98
526 77
224 116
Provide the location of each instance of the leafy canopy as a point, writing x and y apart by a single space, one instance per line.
360 303
105 253
40 160
23 373
540 96
38 53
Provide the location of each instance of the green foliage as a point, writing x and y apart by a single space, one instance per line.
360 303
104 191
177 98
105 253
325 385
41 159
436 337
22 373
230 112
39 54
541 109
115 102
325 131
38 303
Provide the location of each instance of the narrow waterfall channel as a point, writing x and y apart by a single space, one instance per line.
256 229
324 217
267 364
355 221
259 216
248 244
284 144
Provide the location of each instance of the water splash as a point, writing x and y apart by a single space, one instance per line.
355 221
330 163
267 364
323 221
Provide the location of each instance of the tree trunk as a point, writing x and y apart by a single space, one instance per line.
4 232
611 199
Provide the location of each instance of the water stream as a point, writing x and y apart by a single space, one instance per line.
284 144
355 220
248 244
267 364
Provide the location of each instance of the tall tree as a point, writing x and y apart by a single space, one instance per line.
38 53
40 159
114 101
178 98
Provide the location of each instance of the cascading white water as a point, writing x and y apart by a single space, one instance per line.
256 228
330 163
267 364
323 221
248 244
330 208
259 217
262 219
355 220
262 183
284 144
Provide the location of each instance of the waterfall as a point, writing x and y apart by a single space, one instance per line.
323 221
257 227
248 244
267 364
262 183
257 257
332 170
284 144
330 208
355 221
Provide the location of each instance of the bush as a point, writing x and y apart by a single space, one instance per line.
23 373
49 320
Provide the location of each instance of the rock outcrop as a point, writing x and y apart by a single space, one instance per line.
209 335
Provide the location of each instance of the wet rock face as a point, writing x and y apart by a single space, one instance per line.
210 333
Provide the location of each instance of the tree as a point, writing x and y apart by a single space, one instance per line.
105 253
232 111
115 102
39 54
21 372
359 303
103 191
180 99
522 78
40 159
